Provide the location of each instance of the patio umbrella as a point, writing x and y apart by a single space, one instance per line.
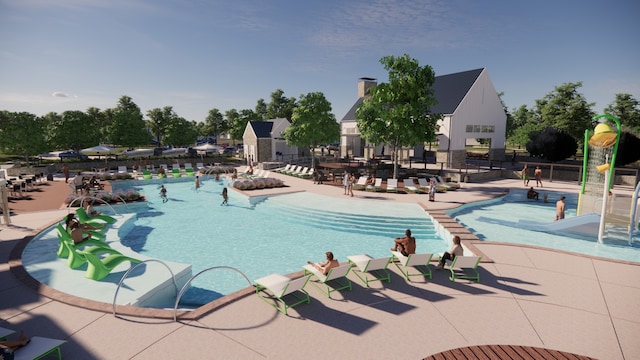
98 150
205 148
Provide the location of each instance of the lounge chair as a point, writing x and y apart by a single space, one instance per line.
77 258
63 236
176 173
294 170
369 269
308 175
84 217
175 166
419 262
464 267
4 333
362 180
189 172
335 280
188 166
146 175
302 172
410 186
450 184
122 169
424 185
440 187
99 268
284 169
377 186
392 185
38 348
281 286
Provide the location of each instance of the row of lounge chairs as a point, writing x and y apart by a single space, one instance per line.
37 348
409 185
100 258
300 171
276 288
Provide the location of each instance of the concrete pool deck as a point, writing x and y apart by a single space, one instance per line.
526 296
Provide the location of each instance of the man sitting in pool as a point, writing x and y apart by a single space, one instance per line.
406 245
324 267
532 194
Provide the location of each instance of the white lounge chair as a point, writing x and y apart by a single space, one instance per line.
362 180
199 166
419 262
175 166
4 333
284 169
188 166
281 286
410 186
302 172
392 185
377 186
440 187
451 185
38 348
122 169
464 267
336 278
369 269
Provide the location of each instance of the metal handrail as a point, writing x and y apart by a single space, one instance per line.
184 288
115 295
95 198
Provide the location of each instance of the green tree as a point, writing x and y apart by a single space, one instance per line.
215 124
398 112
101 120
74 130
280 106
128 127
261 110
566 109
627 110
238 121
628 149
22 133
312 123
159 120
524 121
181 132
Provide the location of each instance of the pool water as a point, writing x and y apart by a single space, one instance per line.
497 220
264 235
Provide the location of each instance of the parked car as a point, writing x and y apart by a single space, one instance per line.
72 154
228 150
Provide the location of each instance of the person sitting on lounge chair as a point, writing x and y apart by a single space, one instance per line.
78 231
88 208
7 347
324 267
455 250
406 245
250 170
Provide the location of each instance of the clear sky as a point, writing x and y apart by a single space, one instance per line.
196 55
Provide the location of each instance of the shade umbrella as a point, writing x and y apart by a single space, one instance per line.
98 150
205 148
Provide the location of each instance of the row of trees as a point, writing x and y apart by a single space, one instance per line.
397 113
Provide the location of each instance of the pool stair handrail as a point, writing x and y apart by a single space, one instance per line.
126 274
188 283
80 198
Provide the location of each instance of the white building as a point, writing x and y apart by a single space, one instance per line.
471 110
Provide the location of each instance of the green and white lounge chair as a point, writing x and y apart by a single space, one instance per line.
64 236
369 269
85 218
176 173
392 185
146 175
420 262
464 267
280 286
99 268
38 348
77 258
335 280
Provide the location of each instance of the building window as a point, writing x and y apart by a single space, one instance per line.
480 128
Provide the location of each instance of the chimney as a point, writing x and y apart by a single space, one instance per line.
364 84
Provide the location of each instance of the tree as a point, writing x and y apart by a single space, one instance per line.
261 110
552 144
181 132
626 109
22 134
566 109
280 106
312 123
74 130
159 120
102 120
238 121
128 127
398 112
627 149
215 124
524 121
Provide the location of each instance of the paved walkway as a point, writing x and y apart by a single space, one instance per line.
527 296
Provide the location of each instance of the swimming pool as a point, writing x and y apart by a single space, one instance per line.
498 220
263 235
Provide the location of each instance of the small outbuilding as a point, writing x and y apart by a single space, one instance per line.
263 141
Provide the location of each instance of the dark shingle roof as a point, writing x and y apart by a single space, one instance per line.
262 128
448 89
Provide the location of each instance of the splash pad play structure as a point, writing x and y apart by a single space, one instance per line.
596 197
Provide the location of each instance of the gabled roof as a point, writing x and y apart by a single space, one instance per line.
262 129
448 89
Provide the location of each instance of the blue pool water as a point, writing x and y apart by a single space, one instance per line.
498 220
260 236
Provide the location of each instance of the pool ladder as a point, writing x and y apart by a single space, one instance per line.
173 277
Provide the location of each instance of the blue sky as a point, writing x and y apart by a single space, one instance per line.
198 55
